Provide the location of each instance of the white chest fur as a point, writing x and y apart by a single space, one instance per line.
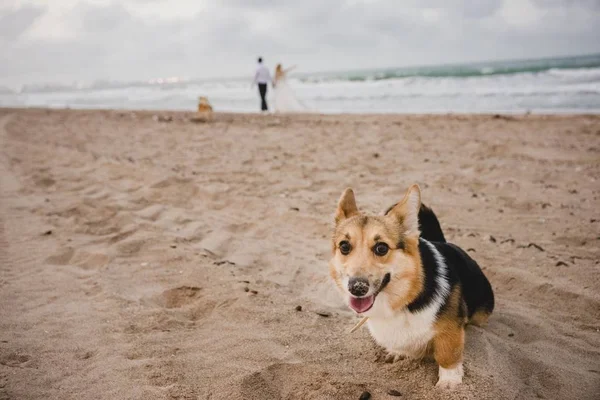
404 333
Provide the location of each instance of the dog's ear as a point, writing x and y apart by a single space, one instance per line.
407 211
346 207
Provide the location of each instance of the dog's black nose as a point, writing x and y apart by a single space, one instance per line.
358 286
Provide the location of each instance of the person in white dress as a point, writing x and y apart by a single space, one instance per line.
285 100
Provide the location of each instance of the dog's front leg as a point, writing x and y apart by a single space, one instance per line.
448 345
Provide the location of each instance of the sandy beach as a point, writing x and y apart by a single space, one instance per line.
182 259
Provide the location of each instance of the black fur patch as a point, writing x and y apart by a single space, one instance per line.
428 224
430 272
384 282
476 289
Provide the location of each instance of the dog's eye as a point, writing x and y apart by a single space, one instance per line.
381 249
345 247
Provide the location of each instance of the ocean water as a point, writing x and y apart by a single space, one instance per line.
557 85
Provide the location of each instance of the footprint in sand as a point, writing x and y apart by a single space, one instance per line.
125 245
174 191
43 181
62 257
84 354
152 212
172 181
69 256
98 228
217 242
191 232
121 236
90 260
131 247
281 380
195 306
92 288
14 359
200 310
180 296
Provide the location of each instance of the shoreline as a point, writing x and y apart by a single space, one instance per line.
311 114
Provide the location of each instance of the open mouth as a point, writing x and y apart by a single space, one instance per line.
364 304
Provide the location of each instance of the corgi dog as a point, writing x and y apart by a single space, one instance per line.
417 290
204 105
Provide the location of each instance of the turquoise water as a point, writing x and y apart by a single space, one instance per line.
552 85
466 70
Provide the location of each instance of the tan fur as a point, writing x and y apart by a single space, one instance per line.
449 340
455 307
442 335
334 275
404 212
346 206
479 318
413 275
204 105
363 232
448 344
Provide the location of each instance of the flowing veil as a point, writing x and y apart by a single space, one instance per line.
285 98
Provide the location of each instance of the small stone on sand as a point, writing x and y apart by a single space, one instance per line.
365 396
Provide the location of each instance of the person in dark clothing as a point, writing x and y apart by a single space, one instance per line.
262 89
262 77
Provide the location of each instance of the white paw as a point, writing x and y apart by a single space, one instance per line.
451 377
448 384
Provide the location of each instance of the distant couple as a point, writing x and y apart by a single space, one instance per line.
285 100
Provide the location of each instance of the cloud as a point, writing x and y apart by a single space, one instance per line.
14 22
480 8
588 4
141 39
100 19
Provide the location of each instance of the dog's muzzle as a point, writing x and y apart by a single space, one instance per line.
359 287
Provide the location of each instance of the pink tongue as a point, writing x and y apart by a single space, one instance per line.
362 304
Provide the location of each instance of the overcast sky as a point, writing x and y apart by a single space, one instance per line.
84 40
